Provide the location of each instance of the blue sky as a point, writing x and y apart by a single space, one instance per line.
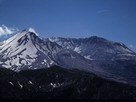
112 19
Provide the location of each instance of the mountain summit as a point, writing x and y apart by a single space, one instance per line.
27 50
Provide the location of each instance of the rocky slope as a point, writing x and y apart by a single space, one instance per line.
96 48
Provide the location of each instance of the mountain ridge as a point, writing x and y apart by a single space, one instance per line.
97 43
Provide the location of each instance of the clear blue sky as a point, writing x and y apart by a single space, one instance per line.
112 19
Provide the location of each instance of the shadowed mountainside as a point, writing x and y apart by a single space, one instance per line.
60 83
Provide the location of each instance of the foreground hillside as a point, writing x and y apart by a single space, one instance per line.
60 83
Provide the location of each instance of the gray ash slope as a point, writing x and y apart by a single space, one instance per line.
97 55
96 48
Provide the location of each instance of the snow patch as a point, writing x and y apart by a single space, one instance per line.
20 84
51 62
88 57
78 50
11 83
6 66
32 30
54 85
23 62
30 82
45 60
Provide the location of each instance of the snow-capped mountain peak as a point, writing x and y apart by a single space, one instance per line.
33 31
25 49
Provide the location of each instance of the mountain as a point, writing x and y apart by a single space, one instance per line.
96 48
104 58
60 83
108 59
25 50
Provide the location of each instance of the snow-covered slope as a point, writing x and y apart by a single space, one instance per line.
26 50
96 48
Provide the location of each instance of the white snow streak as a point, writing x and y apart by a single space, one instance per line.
30 82
78 50
20 84
11 83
